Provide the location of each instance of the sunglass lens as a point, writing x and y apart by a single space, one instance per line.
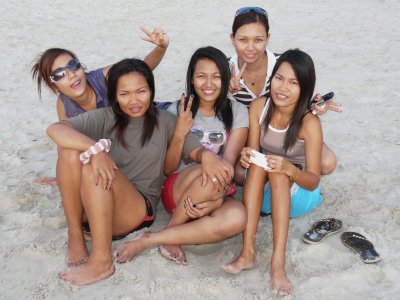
216 138
74 65
198 133
58 75
245 10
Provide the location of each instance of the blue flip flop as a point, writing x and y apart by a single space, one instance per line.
360 245
321 229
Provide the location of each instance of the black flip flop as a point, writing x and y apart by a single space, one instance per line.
321 229
359 244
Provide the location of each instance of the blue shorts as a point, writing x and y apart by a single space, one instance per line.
302 200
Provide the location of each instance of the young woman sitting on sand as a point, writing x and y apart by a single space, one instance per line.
80 91
117 191
251 67
292 143
200 213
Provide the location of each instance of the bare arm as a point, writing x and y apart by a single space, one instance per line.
161 40
60 109
64 135
236 142
311 132
253 138
157 37
213 167
183 125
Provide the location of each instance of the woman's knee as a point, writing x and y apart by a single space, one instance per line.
328 163
277 179
233 220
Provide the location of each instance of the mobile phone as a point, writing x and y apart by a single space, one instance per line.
327 97
323 99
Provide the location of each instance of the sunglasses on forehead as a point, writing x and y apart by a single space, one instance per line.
245 10
59 73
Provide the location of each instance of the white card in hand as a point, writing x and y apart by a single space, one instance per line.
259 159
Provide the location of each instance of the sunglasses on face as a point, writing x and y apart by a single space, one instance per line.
216 138
58 74
245 10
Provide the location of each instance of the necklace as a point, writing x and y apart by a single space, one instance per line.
254 79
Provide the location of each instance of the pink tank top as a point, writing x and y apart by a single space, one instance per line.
272 140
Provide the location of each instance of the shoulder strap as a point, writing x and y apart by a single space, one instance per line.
264 111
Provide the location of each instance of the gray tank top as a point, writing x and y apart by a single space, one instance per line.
272 140
97 81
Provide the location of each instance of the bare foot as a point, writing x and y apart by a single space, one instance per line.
280 284
239 264
88 273
128 250
77 253
52 181
174 253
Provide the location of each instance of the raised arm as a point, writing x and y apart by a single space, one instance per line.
183 125
161 40
158 38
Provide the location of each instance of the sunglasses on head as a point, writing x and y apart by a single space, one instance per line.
245 10
58 74
213 137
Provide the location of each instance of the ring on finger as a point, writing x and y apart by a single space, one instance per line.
214 179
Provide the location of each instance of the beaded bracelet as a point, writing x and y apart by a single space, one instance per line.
103 144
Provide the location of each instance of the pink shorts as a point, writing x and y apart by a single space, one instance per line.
166 193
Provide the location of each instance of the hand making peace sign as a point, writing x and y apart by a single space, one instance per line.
157 37
185 118
234 85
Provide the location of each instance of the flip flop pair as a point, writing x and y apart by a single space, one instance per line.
352 240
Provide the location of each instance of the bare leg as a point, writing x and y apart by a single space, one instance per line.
226 221
69 177
280 213
188 183
117 210
252 199
328 162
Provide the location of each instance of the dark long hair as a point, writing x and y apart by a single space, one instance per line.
303 67
42 67
248 18
126 66
223 106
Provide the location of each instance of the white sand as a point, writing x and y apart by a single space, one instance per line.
355 46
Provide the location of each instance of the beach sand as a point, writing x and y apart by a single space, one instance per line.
355 46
